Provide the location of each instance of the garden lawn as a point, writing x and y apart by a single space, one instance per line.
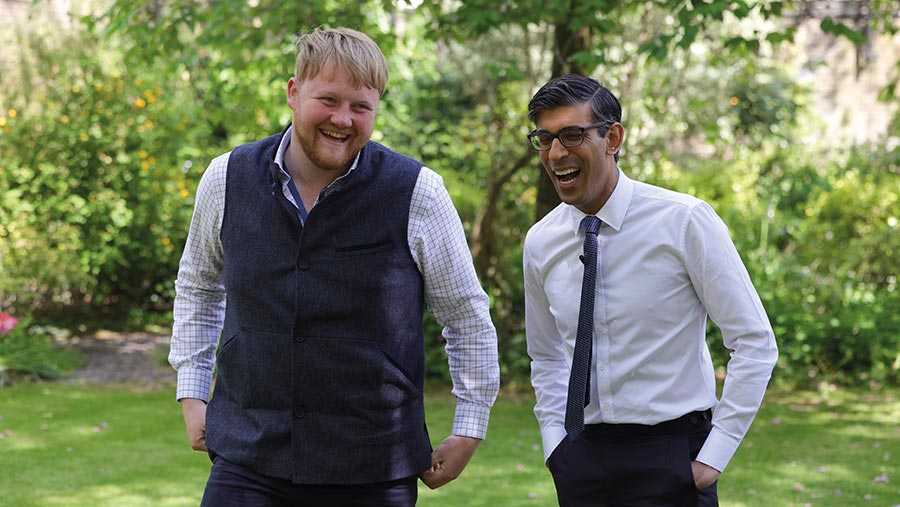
124 446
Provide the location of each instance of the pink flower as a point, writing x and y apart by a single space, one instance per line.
7 323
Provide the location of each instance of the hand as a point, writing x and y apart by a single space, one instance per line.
449 460
194 411
704 475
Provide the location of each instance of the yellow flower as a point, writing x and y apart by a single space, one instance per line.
83 137
64 118
2 121
143 154
139 102
148 124
166 241
733 101
145 165
184 192
12 113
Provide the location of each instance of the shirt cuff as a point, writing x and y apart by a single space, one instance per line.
718 449
193 383
471 419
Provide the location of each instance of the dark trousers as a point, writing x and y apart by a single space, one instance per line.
231 485
632 465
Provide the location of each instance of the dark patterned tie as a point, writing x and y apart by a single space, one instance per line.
579 389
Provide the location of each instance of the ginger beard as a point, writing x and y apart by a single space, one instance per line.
330 149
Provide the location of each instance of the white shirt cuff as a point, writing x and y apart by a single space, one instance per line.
718 449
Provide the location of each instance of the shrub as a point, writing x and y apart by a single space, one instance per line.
29 351
97 175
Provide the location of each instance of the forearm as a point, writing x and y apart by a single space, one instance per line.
195 334
742 394
475 373
550 387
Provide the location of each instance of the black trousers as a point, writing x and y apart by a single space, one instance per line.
231 485
632 465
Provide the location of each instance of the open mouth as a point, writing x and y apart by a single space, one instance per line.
334 136
567 175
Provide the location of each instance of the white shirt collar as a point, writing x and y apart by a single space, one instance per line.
613 212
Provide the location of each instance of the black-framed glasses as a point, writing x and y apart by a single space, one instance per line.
570 137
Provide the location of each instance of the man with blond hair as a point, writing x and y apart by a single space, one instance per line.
328 246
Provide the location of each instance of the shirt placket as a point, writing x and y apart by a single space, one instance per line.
601 343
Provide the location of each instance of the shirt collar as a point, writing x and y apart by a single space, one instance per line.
282 149
613 212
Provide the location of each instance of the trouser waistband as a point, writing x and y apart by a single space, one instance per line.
683 424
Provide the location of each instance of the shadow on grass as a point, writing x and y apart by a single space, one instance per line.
124 446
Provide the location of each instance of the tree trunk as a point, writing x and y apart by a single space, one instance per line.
483 237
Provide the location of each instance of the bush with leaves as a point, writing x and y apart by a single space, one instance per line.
97 173
29 351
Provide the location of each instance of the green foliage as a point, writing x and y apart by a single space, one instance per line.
834 277
31 352
104 134
96 178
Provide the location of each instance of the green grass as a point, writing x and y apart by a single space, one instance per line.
124 446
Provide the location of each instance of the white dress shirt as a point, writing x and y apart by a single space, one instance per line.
437 241
665 261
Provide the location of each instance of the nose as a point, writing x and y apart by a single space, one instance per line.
557 150
342 117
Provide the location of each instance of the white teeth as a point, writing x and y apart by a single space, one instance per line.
565 172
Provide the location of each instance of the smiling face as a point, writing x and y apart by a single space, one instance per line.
332 121
584 176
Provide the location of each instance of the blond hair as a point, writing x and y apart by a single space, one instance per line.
345 48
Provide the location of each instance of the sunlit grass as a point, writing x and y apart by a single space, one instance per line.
822 449
124 446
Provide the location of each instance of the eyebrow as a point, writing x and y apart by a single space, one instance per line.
538 131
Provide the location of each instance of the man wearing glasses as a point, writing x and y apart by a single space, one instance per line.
619 281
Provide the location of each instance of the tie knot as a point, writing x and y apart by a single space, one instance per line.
590 224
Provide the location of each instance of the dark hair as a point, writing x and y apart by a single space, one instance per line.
572 90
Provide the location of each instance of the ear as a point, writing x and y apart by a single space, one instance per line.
293 92
615 137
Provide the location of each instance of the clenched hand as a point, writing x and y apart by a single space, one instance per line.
449 459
